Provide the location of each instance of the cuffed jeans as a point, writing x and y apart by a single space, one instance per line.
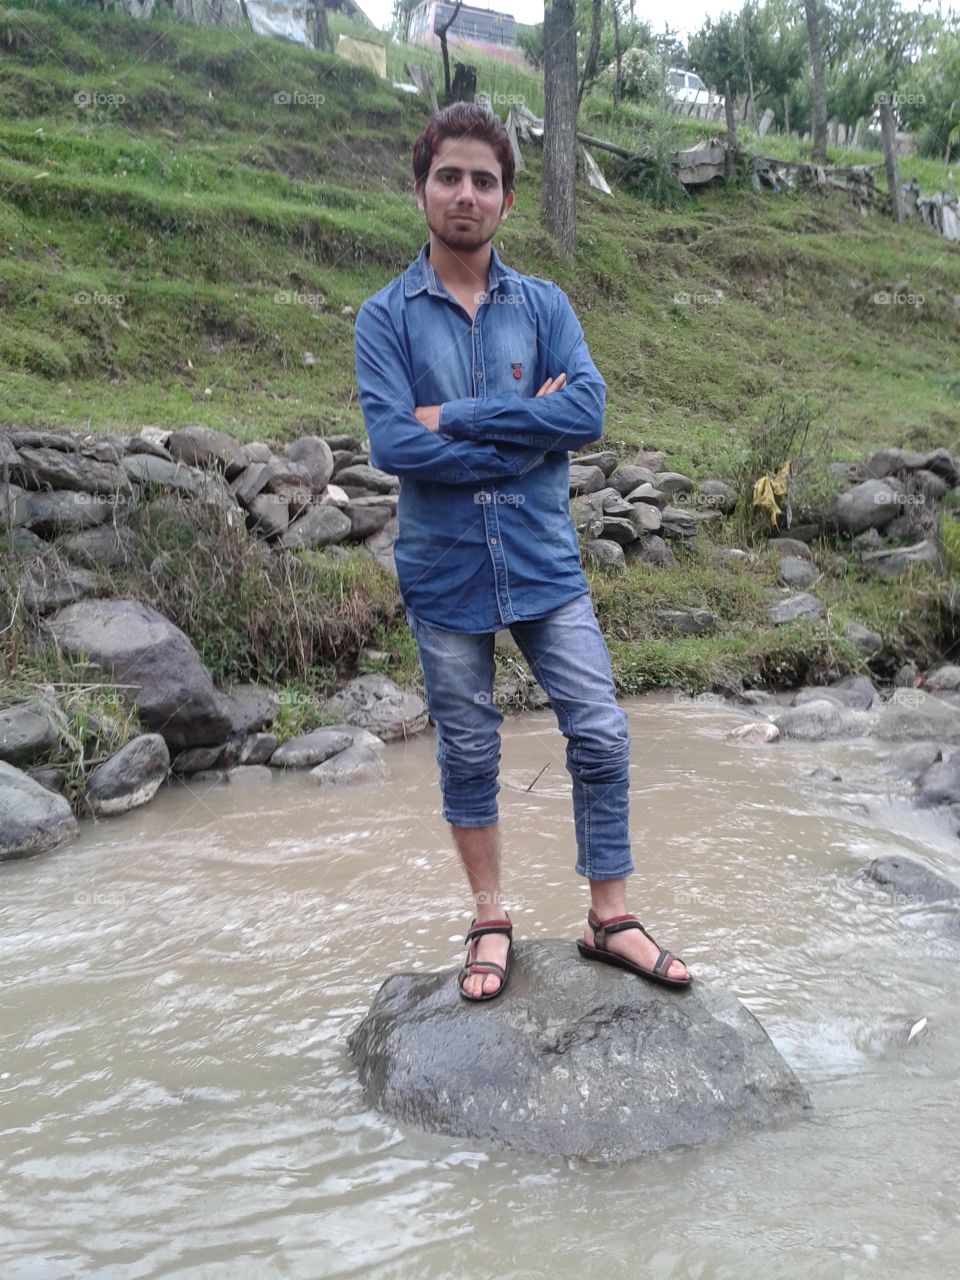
568 656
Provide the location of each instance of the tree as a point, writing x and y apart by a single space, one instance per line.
592 59
818 152
558 193
441 33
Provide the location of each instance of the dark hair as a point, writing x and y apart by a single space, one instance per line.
464 120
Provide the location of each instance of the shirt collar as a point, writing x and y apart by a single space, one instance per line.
420 275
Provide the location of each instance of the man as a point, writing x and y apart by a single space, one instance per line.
475 383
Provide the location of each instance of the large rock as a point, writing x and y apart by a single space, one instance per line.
867 642
63 511
154 665
651 550
628 477
946 678
575 1059
940 784
380 546
314 748
362 478
27 732
690 622
129 778
892 561
604 553
204 447
911 714
793 608
359 763
797 571
376 703
49 587
110 545
32 819
251 707
14 506
584 479
54 469
909 883
869 505
320 526
316 456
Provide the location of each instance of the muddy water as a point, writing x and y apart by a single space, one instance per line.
176 1100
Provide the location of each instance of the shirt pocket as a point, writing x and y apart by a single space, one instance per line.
511 348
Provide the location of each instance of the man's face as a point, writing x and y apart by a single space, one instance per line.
462 196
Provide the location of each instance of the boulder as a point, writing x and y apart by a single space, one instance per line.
270 514
314 748
912 714
673 483
606 460
940 783
321 525
795 607
27 732
869 505
628 477
129 778
48 587
892 561
154 665
108 545
359 763
790 547
251 707
647 493
914 759
56 511
203 447
316 456
374 702
946 678
14 503
910 882
690 622
797 571
651 549
33 819
586 479
867 642
366 479
257 748
576 1059
618 529
603 553
759 731
54 469
719 495
250 482
196 759
366 518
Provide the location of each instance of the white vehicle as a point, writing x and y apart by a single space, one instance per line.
686 86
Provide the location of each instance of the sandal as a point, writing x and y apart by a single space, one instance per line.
614 925
473 965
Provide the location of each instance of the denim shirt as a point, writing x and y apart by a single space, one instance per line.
485 536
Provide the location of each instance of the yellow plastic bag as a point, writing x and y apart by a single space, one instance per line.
769 488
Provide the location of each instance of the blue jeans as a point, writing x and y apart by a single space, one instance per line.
568 655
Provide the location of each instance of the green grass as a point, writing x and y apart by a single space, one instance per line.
169 253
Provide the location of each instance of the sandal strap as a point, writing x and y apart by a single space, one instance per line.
479 928
482 966
613 924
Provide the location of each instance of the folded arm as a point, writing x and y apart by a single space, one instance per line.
567 419
399 443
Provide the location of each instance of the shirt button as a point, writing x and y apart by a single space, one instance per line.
493 542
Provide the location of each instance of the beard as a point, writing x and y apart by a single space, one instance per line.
464 238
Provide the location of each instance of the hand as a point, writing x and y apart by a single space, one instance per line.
429 415
552 384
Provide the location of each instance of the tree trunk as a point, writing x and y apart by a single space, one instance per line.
818 153
618 54
441 34
558 192
888 128
322 38
786 114
732 143
593 49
